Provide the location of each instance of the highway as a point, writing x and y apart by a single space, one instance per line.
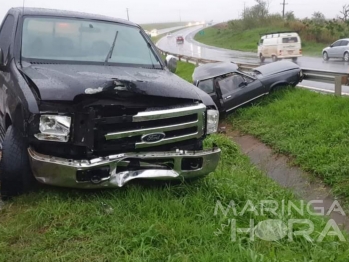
190 47
166 30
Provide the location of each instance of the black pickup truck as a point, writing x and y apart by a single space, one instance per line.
88 102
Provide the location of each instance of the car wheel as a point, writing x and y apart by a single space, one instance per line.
325 56
346 57
16 177
262 58
274 58
278 87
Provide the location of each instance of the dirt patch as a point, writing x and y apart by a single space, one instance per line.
277 167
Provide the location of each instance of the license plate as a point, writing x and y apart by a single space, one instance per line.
290 52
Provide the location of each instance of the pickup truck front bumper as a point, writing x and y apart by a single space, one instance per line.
117 170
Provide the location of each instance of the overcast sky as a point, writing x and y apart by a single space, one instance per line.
146 11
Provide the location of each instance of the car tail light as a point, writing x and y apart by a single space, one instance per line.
300 51
280 52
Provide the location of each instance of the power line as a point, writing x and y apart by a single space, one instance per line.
283 8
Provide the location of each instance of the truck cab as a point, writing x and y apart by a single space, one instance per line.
87 102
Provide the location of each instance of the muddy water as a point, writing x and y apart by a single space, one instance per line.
278 168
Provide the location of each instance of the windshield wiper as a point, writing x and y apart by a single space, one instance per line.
110 53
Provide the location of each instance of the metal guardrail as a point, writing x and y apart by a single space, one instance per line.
323 76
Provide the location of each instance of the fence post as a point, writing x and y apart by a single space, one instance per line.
197 62
338 85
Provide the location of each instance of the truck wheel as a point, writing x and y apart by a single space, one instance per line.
16 177
294 59
262 58
274 58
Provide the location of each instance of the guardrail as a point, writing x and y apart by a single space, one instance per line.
323 76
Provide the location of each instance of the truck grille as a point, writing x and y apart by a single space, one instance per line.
170 125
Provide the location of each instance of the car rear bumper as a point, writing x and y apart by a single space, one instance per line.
117 170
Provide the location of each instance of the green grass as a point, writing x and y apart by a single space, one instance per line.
159 26
157 222
312 128
247 40
185 70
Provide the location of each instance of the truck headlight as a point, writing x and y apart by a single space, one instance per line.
212 121
54 128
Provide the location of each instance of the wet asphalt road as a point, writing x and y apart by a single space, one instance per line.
190 47
166 30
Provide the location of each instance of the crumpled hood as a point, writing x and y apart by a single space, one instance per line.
276 67
65 82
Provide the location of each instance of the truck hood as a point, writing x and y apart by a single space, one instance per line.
276 67
65 82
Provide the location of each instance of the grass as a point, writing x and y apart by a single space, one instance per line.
312 128
159 26
185 70
157 222
160 222
247 40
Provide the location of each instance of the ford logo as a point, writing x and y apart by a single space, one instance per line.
154 137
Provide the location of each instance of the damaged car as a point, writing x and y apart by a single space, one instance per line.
230 87
87 102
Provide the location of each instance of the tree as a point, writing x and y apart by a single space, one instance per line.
318 18
344 13
289 16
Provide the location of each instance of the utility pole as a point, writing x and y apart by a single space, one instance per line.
180 18
127 14
283 8
243 15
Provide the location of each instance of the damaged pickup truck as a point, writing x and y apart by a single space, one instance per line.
88 102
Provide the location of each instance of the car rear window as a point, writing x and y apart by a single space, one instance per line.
286 40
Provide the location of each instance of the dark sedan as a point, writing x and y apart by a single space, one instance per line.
231 87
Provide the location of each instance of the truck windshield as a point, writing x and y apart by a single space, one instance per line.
76 40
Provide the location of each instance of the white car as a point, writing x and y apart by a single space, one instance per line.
339 49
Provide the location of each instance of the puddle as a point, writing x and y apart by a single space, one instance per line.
277 167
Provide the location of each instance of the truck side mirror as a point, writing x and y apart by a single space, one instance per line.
171 63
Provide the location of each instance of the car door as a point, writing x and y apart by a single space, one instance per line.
335 49
209 87
6 31
237 89
343 47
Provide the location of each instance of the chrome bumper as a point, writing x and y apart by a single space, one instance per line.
63 172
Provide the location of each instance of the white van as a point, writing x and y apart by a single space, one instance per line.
280 45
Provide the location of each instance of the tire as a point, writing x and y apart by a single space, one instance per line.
262 58
325 56
274 58
16 177
294 59
346 57
278 87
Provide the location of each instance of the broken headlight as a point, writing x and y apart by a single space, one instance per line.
212 121
54 128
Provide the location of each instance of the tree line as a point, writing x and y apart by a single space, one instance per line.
316 28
